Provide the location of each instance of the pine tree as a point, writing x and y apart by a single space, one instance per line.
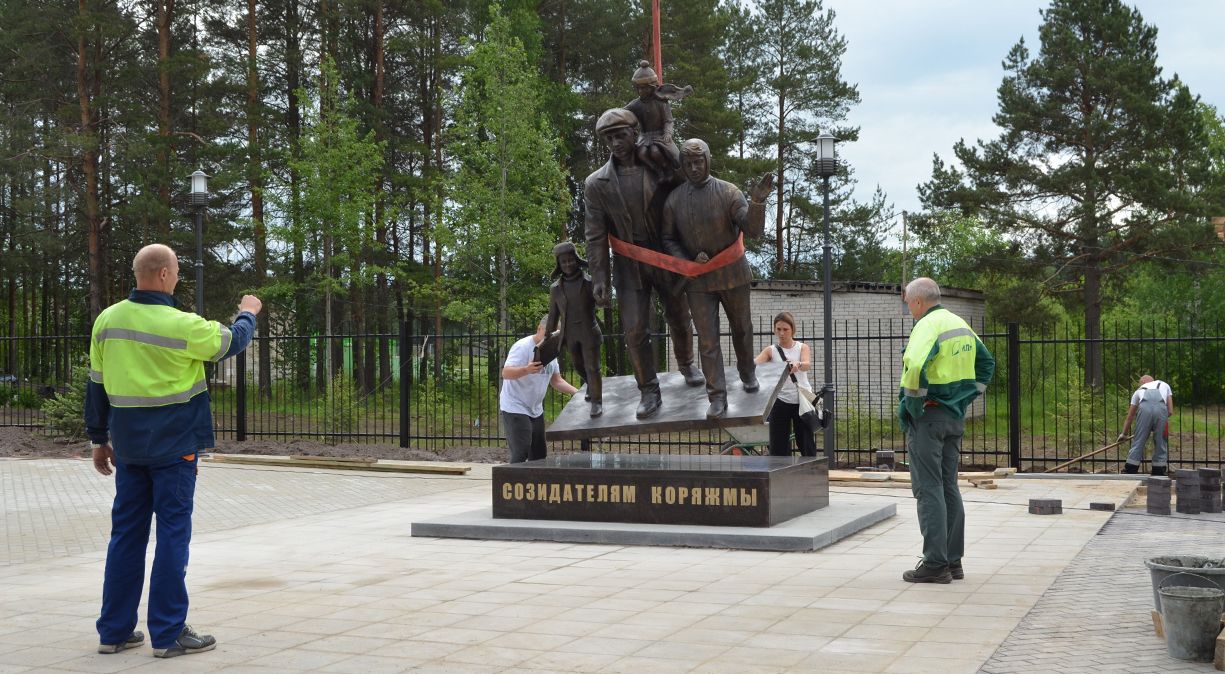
1097 160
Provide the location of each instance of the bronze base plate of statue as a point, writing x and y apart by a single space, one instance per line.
684 407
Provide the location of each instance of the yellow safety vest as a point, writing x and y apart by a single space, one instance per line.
151 355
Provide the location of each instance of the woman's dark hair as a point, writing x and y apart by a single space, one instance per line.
785 317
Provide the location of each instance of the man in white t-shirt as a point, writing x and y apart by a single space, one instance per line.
521 401
1151 407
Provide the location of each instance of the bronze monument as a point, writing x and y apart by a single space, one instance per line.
572 305
623 199
705 221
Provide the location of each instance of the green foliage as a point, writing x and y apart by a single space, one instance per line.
64 413
340 407
507 200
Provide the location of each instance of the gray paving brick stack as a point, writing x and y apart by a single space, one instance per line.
1189 496
1045 506
1101 506
1158 495
1210 489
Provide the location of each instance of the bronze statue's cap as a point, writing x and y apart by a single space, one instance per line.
695 146
615 119
561 249
645 74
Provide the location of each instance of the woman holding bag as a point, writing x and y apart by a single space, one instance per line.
786 413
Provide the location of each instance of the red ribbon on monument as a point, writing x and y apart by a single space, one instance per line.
686 268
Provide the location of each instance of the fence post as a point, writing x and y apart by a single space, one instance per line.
1014 395
406 369
240 396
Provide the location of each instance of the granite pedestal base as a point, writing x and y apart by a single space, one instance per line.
805 533
743 491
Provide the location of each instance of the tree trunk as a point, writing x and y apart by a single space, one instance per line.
89 168
255 177
165 17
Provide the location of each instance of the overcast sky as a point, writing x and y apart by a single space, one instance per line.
928 73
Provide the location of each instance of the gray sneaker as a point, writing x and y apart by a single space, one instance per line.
137 638
188 642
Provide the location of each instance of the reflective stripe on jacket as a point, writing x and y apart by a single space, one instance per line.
147 392
945 363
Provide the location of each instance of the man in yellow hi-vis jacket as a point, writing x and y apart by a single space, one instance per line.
945 367
147 416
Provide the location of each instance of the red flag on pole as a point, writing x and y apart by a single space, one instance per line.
659 69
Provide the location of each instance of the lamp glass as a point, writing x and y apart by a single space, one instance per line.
199 182
825 146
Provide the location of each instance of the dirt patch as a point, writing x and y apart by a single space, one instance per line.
30 444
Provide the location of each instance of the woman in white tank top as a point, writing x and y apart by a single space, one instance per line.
785 417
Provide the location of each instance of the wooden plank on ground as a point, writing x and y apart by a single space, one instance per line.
377 466
340 459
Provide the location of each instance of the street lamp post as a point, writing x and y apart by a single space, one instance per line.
199 200
827 166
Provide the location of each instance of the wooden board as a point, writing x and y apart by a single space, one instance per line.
377 466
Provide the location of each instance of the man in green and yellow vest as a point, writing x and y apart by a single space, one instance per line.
944 368
147 416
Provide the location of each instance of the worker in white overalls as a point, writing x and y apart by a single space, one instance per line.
1152 405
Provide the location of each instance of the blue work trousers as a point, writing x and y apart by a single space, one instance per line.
167 490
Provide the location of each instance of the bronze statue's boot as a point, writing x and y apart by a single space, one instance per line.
597 408
717 409
752 385
650 404
693 376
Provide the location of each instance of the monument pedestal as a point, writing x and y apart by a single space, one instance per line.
733 491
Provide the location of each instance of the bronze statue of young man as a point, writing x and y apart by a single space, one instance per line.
622 200
705 220
572 306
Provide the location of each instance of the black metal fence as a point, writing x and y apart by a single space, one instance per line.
435 391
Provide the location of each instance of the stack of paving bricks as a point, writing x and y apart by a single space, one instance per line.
1045 506
1189 501
1158 495
1210 489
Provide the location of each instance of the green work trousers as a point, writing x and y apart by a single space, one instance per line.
933 446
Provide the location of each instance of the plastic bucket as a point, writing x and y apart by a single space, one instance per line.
1207 572
1191 618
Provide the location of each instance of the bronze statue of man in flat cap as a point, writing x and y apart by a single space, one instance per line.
623 200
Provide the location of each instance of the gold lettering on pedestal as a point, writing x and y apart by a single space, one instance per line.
605 493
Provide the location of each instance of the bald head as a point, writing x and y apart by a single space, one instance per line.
156 268
1146 379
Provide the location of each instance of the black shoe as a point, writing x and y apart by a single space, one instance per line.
597 409
928 574
752 386
956 571
1159 471
1131 468
693 376
650 404
133 641
188 642
717 409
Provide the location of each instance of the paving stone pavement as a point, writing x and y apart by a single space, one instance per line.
1095 617
316 571
54 508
